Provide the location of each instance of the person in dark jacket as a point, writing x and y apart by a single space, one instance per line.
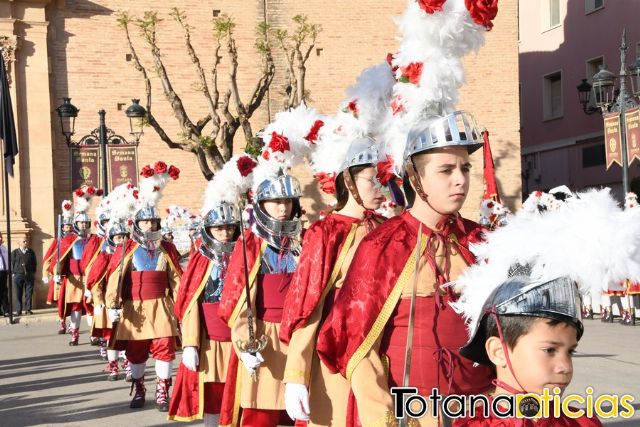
23 266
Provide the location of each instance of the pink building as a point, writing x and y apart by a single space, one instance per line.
562 42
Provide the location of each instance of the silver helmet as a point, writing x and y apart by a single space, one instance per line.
81 217
520 295
458 129
224 213
278 233
146 213
362 151
116 228
101 224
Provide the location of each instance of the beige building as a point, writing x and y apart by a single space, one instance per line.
74 48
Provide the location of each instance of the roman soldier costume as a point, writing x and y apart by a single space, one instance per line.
206 339
144 276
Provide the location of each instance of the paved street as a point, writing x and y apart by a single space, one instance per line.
44 382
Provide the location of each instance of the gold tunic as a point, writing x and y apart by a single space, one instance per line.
146 319
328 393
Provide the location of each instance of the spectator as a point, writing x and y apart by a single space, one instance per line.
23 266
4 290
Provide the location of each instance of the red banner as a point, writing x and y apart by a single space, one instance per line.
612 139
85 167
123 165
632 127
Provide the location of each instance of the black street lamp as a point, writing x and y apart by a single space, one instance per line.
608 99
102 135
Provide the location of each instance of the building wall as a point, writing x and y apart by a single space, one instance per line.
86 60
553 149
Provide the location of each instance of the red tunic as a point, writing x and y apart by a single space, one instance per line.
493 421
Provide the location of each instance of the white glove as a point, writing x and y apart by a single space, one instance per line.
87 293
45 280
251 362
57 279
296 401
190 358
114 314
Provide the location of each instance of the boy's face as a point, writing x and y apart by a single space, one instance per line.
279 209
541 359
445 177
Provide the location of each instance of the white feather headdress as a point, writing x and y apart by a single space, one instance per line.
154 180
590 240
230 183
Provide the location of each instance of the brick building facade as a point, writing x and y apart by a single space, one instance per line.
74 48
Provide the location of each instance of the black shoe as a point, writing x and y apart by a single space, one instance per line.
6 314
137 403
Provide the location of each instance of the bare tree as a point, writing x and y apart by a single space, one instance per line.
297 48
227 112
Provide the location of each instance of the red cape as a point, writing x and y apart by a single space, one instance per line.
190 282
323 243
375 269
65 248
91 250
233 291
97 270
52 249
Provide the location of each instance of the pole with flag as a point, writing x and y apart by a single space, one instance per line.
9 151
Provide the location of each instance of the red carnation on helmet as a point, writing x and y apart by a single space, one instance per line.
431 6
156 188
385 171
147 171
135 194
167 210
312 136
490 205
91 190
79 192
538 194
390 62
67 206
266 155
279 143
352 107
245 165
129 186
483 12
327 182
99 192
160 167
174 172
411 73
396 105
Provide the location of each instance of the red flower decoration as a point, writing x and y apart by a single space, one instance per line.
490 205
352 107
538 194
279 143
411 73
167 210
266 155
67 206
156 188
245 165
312 136
160 167
135 194
129 186
91 190
79 192
483 12
147 171
431 6
385 171
99 192
327 182
174 172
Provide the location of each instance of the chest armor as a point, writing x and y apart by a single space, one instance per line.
213 288
276 262
78 249
145 260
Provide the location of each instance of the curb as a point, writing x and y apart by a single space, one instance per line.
42 315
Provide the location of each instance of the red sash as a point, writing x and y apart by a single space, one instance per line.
145 285
272 290
435 361
74 267
215 328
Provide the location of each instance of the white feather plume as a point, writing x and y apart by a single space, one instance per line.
591 240
228 185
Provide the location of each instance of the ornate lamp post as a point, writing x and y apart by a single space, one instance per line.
102 135
610 99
